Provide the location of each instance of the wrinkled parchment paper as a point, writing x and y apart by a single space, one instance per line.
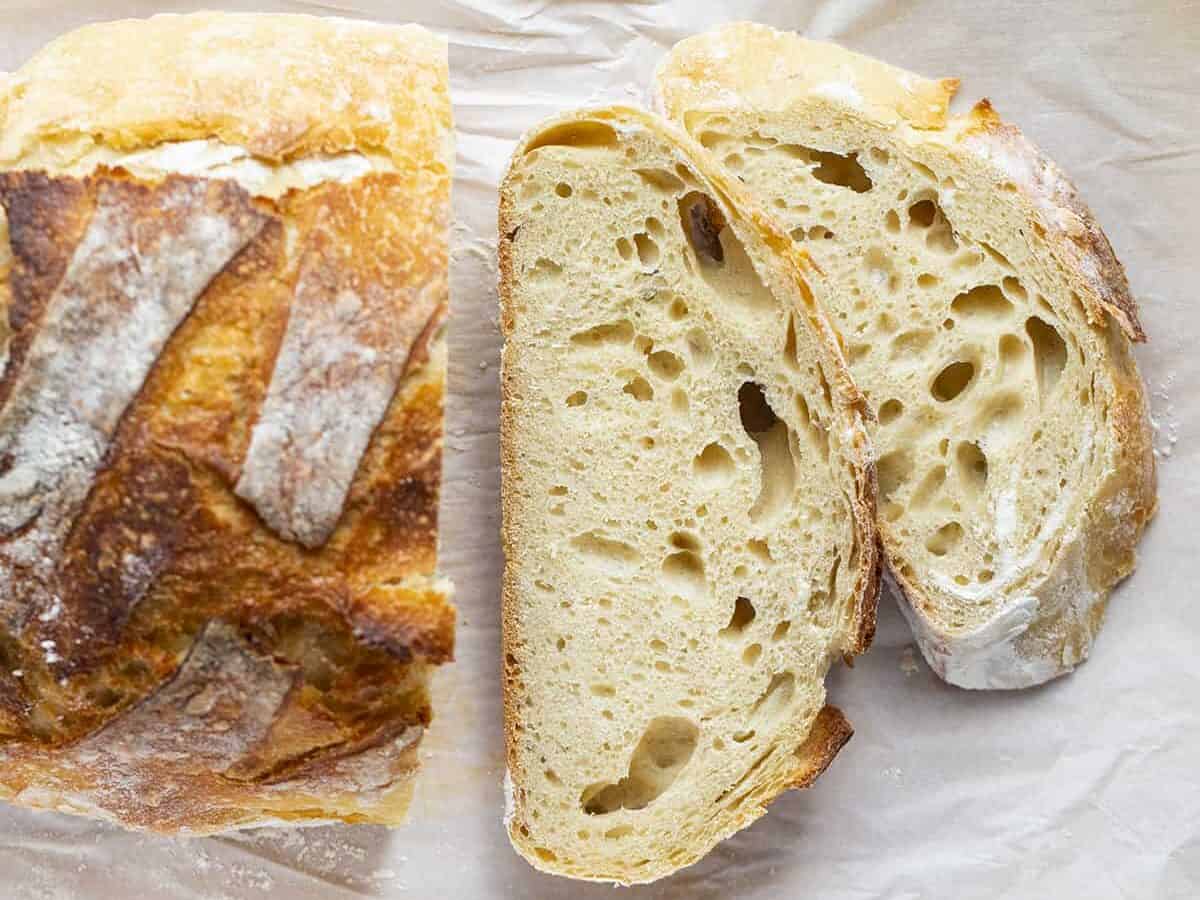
1087 787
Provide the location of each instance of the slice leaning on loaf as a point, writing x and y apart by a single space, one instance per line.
688 503
987 321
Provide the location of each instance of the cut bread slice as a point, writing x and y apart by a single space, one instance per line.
688 503
985 318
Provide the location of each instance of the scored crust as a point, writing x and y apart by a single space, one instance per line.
174 657
1048 629
829 730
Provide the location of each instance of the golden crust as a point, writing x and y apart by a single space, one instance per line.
830 730
321 655
723 70
282 86
745 63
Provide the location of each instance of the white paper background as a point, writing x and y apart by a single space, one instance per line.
1089 787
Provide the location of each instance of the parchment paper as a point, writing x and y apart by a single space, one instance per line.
1088 787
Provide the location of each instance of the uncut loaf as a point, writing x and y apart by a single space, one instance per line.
222 278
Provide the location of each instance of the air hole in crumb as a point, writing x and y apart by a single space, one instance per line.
890 411
773 438
756 414
922 213
661 180
620 332
665 748
953 380
577 399
751 654
760 550
682 540
702 223
647 250
944 539
1049 352
791 356
678 309
1013 288
563 189
683 574
843 170
781 630
638 388
985 301
665 364
576 134
739 621
713 467
604 552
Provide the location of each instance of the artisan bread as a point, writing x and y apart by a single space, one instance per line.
222 278
687 503
987 321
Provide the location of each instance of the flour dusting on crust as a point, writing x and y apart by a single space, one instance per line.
145 257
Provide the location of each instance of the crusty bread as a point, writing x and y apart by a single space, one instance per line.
688 503
986 320
222 276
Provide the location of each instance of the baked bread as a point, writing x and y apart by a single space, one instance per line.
687 503
222 276
985 318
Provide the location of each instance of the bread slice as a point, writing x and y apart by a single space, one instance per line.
688 503
986 320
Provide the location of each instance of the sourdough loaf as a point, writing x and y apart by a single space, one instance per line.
222 278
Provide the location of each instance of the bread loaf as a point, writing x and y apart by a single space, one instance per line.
222 278
986 319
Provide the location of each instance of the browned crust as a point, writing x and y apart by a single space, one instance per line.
830 730
338 641
1079 243
370 586
830 733
183 77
